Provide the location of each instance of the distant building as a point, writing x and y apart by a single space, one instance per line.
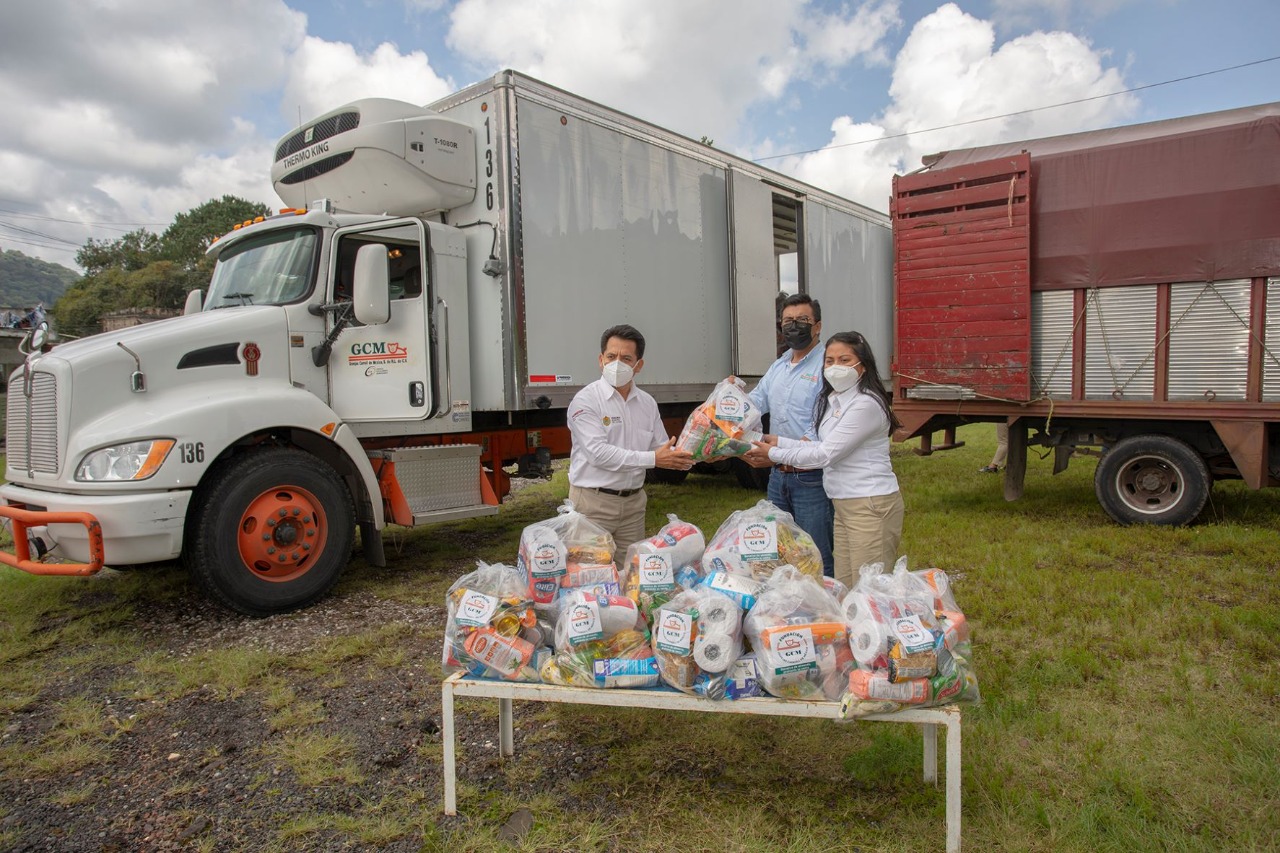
116 320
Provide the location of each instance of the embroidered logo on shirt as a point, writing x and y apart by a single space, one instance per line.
608 421
809 377
574 416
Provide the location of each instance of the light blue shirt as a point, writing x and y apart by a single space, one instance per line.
788 392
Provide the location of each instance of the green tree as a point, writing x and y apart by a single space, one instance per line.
143 270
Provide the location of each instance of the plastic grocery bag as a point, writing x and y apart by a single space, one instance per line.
753 542
491 629
566 552
697 638
725 425
600 641
910 641
657 568
800 639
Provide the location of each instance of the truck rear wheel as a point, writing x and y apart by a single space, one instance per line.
1152 479
272 533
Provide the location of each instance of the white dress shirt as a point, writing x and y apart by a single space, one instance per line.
613 438
852 448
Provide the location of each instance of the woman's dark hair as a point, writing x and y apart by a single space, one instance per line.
868 383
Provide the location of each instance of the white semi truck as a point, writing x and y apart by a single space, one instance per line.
417 319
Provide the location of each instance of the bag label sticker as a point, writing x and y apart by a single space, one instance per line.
758 540
475 609
793 650
674 632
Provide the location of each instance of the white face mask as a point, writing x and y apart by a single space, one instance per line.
841 376
618 373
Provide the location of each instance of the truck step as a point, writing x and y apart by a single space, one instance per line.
431 484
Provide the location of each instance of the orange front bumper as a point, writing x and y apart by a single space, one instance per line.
20 520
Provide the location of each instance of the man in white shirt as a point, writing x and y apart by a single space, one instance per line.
617 435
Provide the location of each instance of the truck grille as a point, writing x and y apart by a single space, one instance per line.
320 131
40 411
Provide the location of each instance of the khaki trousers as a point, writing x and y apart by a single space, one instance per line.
622 517
867 530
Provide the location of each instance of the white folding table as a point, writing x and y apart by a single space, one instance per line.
461 684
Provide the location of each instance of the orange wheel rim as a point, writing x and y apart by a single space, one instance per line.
282 533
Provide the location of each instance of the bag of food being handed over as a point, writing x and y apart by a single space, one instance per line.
658 568
491 629
910 641
564 553
753 542
601 641
697 638
800 638
725 425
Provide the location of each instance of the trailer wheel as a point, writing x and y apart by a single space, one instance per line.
1152 479
273 532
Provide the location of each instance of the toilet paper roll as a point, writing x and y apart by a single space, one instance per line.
713 652
869 639
721 616
858 605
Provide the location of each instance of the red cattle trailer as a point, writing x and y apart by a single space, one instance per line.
1114 291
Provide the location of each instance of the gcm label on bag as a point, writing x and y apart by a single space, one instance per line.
547 559
475 608
584 623
674 632
793 651
758 540
656 574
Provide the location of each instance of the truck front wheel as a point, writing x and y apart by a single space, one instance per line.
1152 479
272 532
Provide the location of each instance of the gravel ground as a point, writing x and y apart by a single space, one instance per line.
198 772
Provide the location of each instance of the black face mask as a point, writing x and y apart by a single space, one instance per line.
798 336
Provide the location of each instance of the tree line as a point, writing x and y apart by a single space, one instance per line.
144 270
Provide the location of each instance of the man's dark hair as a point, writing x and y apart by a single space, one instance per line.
627 333
802 299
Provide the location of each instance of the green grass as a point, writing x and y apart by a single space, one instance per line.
1130 681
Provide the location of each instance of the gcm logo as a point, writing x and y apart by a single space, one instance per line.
729 406
654 564
582 618
791 646
474 605
672 626
755 537
546 556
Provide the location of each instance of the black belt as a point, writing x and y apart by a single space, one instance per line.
791 469
618 493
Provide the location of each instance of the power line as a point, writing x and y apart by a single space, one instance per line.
119 225
1019 112
35 233
7 239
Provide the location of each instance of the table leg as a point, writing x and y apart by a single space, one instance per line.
450 769
931 753
953 785
506 737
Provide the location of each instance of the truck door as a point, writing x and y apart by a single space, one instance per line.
383 373
754 274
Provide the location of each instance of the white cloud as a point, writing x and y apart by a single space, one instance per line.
324 75
949 72
695 66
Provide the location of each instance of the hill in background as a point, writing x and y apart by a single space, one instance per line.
24 280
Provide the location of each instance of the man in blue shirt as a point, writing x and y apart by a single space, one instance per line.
788 392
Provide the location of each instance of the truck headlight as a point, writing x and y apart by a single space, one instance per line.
137 460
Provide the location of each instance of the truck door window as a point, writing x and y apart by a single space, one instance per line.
404 263
273 268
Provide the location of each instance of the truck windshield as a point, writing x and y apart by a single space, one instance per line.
269 269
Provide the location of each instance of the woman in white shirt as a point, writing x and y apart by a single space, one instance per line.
854 418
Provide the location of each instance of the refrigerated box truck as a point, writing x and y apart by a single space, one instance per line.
417 319
1113 292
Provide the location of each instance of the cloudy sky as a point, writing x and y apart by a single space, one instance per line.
121 113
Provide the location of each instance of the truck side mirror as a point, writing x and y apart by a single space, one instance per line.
371 295
194 303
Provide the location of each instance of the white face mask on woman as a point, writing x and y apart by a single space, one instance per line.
618 373
841 376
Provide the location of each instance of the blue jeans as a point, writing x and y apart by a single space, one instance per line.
802 495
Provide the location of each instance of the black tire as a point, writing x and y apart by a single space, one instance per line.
756 479
256 567
1152 479
665 476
